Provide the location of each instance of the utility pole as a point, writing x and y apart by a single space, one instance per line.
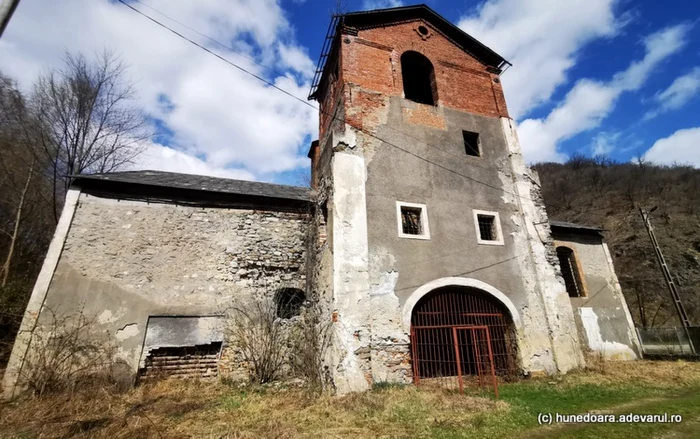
7 8
680 309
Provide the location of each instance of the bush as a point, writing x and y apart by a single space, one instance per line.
65 353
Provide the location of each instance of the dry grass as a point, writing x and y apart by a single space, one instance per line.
671 373
179 409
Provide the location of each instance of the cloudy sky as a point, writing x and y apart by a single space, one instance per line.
590 76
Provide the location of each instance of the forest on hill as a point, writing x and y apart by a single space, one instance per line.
601 192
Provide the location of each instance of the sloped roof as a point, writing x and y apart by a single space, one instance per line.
383 17
568 225
203 183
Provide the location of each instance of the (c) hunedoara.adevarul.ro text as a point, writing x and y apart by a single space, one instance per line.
601 418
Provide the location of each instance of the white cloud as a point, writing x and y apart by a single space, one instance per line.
162 158
381 4
589 102
679 93
542 38
680 147
605 142
219 117
297 59
659 46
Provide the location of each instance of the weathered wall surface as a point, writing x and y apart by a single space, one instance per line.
604 321
124 261
423 161
372 60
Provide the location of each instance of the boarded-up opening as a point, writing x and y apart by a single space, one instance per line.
182 346
199 361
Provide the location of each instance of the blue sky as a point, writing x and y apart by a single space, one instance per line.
591 76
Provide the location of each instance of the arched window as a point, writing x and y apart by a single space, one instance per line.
289 302
570 272
418 78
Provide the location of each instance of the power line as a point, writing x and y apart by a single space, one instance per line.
500 189
249 58
219 43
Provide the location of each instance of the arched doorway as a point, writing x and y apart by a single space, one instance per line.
441 344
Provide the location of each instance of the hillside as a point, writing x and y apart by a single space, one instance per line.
604 193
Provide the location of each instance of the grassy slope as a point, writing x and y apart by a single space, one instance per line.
183 410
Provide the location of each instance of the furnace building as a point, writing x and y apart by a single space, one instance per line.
422 219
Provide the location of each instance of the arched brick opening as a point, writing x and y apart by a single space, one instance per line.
418 76
433 318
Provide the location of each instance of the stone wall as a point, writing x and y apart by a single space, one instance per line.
124 261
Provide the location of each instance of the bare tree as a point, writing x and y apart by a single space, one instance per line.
22 195
89 122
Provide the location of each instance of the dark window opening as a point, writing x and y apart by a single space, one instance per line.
423 30
570 272
418 78
411 220
289 302
471 143
487 227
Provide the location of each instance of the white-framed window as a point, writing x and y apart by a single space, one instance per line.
488 227
412 220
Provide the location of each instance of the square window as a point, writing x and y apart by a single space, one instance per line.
471 143
412 220
488 228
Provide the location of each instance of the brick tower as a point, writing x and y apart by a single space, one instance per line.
424 198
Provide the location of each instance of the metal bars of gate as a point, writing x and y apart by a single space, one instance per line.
446 355
466 307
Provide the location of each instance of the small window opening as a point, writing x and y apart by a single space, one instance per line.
423 30
570 272
411 220
418 78
471 143
487 228
289 302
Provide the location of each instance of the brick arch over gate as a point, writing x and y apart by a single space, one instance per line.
459 302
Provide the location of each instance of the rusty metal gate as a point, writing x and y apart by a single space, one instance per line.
460 335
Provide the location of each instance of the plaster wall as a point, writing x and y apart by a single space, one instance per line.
452 185
602 315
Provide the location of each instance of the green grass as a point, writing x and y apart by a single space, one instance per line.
527 400
232 401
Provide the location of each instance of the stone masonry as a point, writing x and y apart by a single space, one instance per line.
124 261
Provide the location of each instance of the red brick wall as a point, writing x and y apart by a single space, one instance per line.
372 60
